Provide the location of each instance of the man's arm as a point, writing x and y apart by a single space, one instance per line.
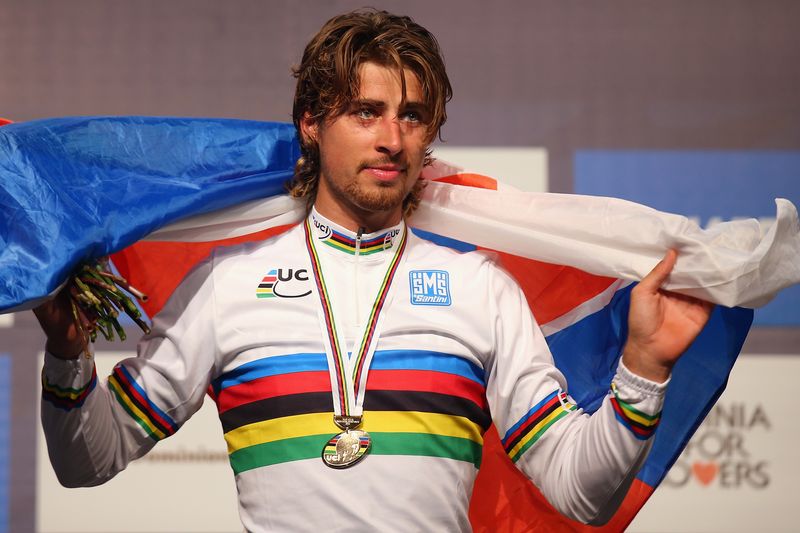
95 427
583 464
661 324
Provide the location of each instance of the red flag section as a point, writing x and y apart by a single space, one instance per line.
504 500
156 268
552 290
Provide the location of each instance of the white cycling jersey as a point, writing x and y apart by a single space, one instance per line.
457 350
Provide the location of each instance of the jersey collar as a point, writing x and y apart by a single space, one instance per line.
343 240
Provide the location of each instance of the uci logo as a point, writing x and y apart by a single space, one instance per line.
325 231
284 283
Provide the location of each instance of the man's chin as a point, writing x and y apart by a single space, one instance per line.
380 201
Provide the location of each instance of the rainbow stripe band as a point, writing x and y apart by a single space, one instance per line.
392 433
67 398
408 360
417 402
536 421
155 422
640 424
283 407
348 245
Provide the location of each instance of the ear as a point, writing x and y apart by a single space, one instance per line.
309 128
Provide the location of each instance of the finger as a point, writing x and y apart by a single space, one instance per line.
656 278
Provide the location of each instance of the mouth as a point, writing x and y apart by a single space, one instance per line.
385 172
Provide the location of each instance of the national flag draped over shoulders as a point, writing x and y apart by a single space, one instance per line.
86 187
77 188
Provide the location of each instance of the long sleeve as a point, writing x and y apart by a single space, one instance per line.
582 464
94 427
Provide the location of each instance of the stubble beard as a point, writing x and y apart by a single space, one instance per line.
378 197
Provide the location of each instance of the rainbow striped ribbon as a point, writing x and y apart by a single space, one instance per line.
348 378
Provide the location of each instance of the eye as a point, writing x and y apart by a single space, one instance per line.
365 113
411 116
414 116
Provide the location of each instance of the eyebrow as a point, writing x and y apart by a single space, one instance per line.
417 106
358 102
379 104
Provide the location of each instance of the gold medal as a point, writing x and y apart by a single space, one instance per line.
346 449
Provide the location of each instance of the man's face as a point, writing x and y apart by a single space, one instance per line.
373 153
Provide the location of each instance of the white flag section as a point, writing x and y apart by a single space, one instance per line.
733 264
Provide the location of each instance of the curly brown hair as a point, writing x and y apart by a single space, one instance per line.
328 80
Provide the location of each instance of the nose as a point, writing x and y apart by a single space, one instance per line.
389 137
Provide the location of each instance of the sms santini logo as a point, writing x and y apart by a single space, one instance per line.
429 287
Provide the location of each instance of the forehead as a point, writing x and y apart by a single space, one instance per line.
384 83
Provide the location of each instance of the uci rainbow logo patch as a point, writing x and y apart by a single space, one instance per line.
284 282
265 288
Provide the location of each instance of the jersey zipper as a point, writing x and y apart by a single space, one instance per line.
355 278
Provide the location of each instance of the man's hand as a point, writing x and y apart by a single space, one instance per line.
64 340
661 324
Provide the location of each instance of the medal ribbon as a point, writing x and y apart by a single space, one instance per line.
349 380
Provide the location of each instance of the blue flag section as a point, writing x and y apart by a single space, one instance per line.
588 351
73 189
698 379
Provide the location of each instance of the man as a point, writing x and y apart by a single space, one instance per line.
354 365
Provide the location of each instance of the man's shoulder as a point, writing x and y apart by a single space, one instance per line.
482 267
434 248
